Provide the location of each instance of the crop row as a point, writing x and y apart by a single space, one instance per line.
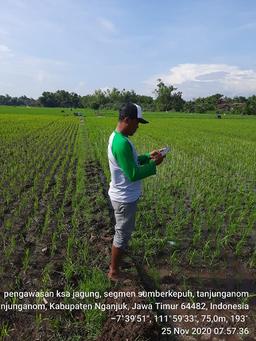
201 205
49 227
28 159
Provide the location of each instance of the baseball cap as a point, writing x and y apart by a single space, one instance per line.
132 110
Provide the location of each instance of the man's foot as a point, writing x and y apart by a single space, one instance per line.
114 275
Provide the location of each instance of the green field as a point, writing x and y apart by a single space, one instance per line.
195 228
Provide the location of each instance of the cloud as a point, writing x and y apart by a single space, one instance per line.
247 26
4 49
196 80
5 54
31 75
80 88
107 25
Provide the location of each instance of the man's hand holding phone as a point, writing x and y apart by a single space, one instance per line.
157 156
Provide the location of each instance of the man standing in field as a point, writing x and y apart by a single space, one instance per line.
127 169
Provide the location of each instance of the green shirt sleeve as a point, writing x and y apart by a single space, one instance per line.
123 154
144 158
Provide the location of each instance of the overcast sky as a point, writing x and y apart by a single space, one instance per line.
200 46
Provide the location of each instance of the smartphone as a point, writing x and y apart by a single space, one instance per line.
164 150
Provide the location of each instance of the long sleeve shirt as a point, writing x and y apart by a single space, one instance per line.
127 168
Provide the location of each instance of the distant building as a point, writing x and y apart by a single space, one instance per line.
225 106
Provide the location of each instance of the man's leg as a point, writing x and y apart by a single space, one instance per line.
125 222
116 256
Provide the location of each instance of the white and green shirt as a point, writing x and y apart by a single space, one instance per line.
126 168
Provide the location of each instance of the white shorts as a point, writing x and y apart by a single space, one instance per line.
125 222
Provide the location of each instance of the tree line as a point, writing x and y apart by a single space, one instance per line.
166 98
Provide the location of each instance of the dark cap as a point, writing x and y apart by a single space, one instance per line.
132 110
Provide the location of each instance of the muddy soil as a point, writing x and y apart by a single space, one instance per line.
99 230
233 277
121 330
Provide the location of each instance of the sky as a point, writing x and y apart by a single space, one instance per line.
202 47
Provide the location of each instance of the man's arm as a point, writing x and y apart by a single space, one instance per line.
124 157
144 158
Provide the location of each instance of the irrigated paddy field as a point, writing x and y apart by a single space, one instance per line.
195 229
